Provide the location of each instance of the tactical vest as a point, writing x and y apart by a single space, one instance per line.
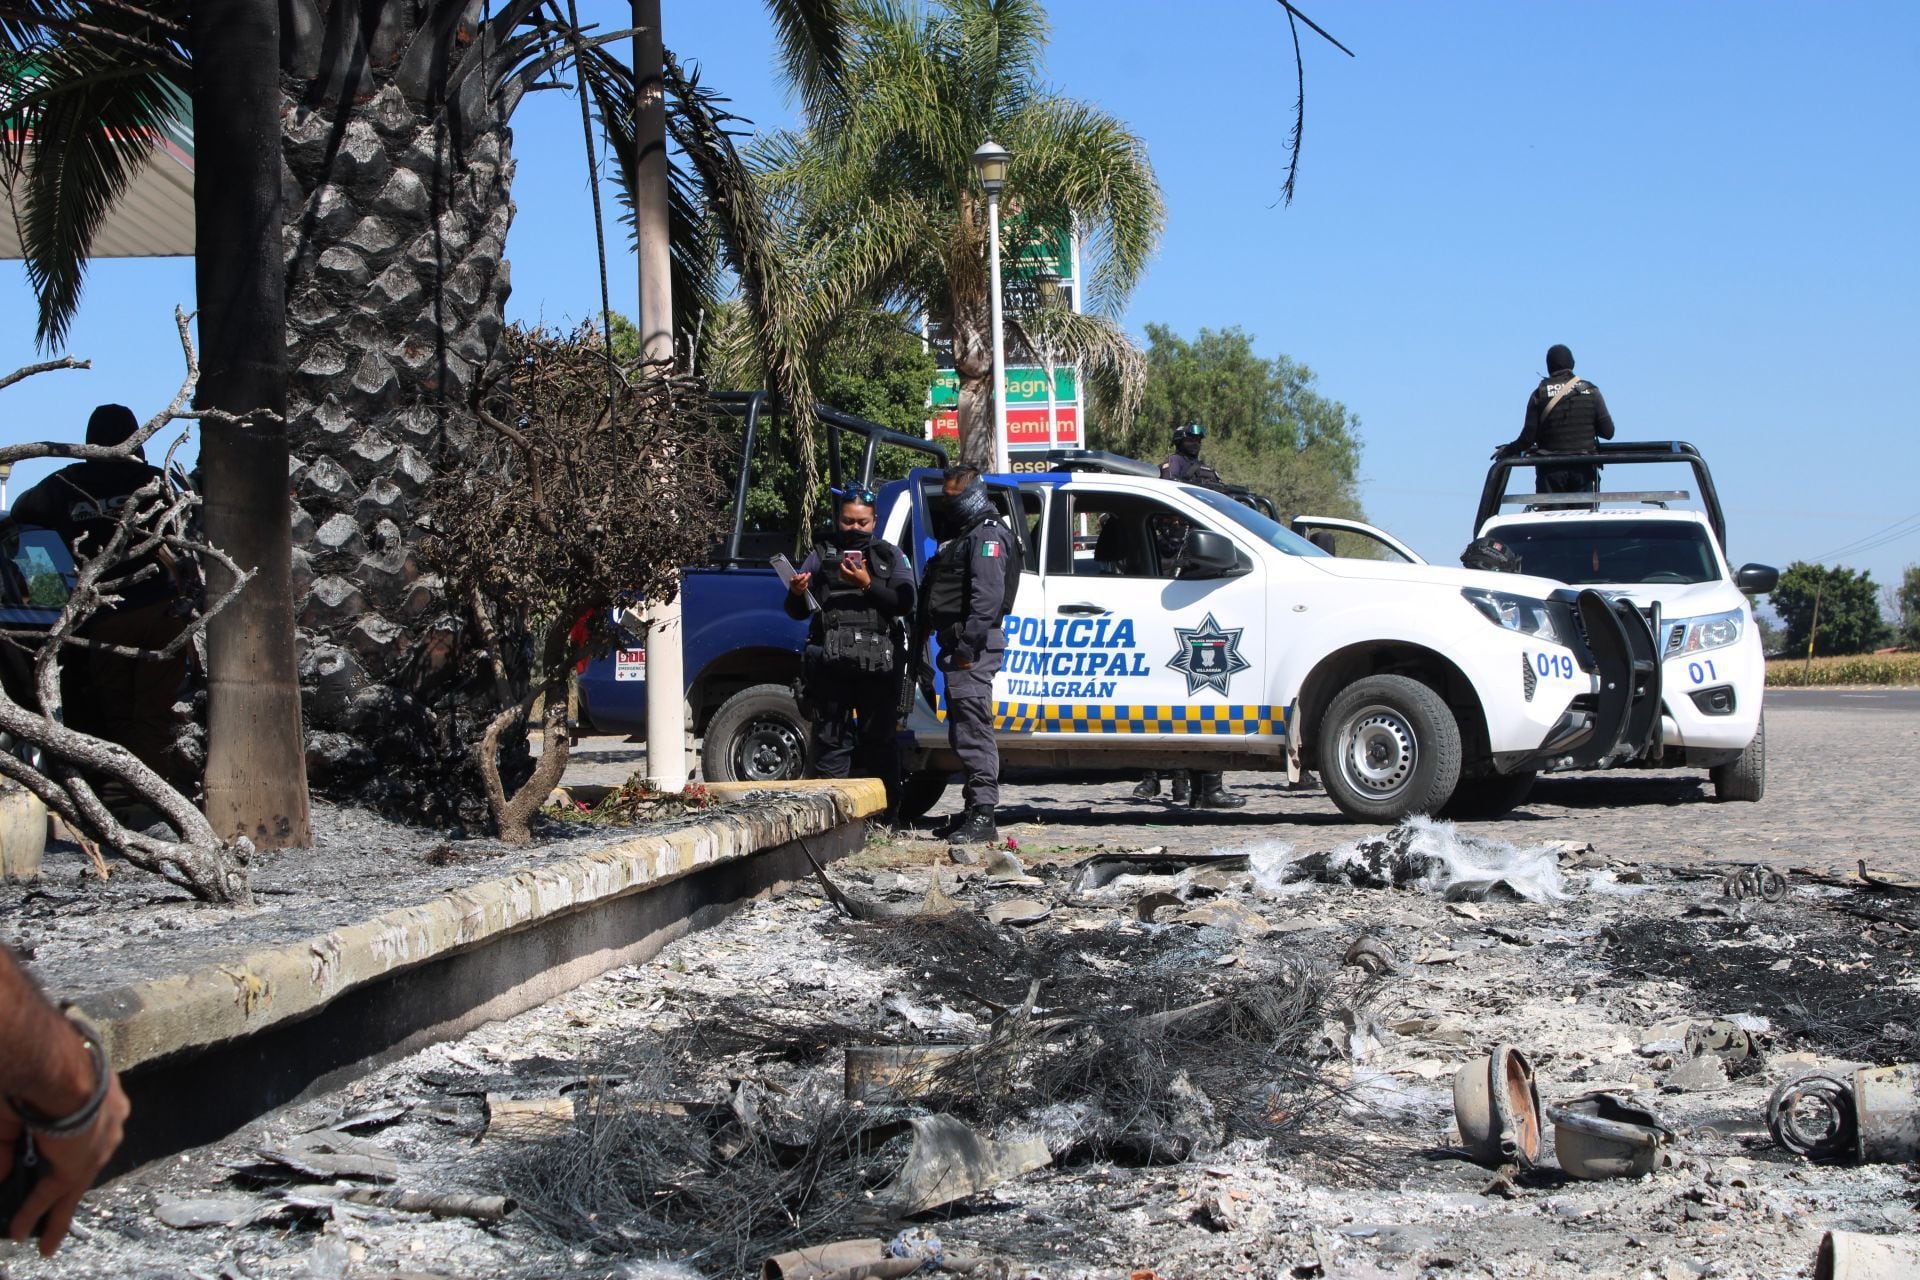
950 579
854 633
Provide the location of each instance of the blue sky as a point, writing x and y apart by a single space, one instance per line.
1715 206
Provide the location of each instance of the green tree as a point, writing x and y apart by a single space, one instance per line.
1906 608
1268 425
882 203
1849 609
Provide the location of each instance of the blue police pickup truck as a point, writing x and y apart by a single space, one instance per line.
741 651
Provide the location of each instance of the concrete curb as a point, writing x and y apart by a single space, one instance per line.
149 1022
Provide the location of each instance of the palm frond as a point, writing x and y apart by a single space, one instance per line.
81 132
812 36
1113 367
1076 165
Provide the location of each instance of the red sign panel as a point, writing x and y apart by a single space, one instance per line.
1024 426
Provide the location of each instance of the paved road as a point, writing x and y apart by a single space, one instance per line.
1839 789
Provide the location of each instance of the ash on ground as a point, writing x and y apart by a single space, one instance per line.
81 934
1222 1078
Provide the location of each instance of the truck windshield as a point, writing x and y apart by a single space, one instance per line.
1617 551
1274 535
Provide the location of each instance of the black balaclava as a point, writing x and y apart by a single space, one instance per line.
1559 359
958 513
1188 445
849 539
111 424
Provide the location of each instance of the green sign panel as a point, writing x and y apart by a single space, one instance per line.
1025 385
1052 257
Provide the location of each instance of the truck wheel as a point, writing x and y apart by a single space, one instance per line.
1746 777
1489 797
919 792
757 735
1389 747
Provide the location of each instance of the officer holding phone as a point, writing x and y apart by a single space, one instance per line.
856 588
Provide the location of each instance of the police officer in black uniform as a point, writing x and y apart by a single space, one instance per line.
1184 465
856 588
964 594
1565 414
1184 462
124 699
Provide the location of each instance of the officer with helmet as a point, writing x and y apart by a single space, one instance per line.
855 587
1184 462
965 594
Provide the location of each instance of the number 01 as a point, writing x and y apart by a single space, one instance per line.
1701 672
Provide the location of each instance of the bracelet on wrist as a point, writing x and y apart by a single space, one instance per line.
80 1121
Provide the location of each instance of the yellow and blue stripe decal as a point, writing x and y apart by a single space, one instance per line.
1237 719
1072 717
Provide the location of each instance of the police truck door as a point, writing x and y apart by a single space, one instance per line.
1133 638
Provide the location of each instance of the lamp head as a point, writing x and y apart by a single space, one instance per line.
990 161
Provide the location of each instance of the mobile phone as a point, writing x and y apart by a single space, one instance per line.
858 558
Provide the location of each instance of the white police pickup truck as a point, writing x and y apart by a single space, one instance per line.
1670 564
1161 625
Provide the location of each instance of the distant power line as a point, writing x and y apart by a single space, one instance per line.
1905 527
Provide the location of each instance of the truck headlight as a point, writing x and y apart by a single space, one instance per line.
1715 631
1516 613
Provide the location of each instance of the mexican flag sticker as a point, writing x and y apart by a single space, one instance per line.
990 550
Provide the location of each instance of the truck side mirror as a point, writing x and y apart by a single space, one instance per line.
1757 579
1209 555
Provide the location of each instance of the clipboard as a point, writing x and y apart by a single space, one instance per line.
784 567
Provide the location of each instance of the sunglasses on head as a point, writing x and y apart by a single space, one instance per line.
853 494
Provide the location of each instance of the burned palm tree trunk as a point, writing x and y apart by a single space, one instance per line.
399 157
256 782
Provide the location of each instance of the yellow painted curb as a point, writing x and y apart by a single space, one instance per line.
151 1020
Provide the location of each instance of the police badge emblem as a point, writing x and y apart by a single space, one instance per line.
1208 656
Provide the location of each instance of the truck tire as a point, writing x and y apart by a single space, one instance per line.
919 792
1389 748
1490 797
1746 777
757 735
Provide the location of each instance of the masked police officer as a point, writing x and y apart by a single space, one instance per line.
1184 462
964 594
1171 535
855 587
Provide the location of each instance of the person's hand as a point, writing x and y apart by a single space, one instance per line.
70 1164
857 573
798 586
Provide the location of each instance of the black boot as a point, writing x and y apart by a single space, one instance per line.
977 829
1149 786
1214 794
1182 780
949 824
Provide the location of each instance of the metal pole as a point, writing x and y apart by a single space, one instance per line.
1053 404
1000 461
666 679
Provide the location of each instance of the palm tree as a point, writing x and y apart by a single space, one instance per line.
397 167
880 193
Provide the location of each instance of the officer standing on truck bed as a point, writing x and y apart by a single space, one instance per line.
856 588
967 590
1565 414
1184 463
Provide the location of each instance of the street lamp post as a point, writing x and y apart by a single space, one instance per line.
991 162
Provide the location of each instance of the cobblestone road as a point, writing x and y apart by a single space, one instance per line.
1838 790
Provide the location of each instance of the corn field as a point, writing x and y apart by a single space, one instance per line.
1853 668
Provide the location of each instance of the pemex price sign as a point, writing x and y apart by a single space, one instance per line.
1042 395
